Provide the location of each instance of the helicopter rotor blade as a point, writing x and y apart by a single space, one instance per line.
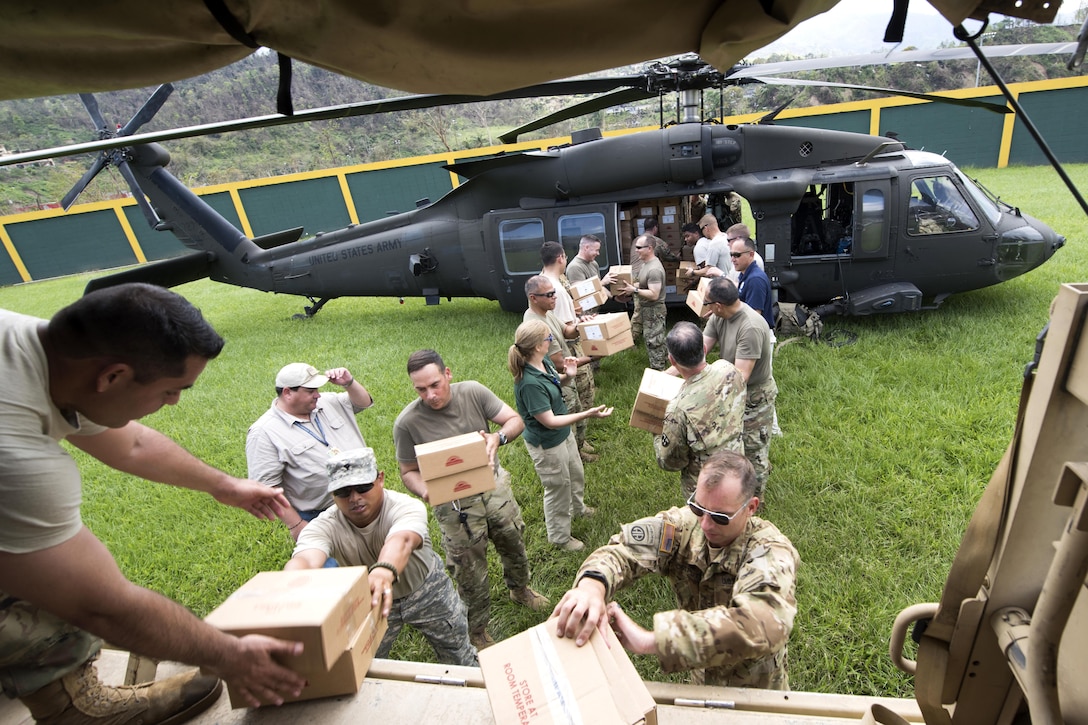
91 104
969 102
148 110
616 98
350 110
99 163
907 56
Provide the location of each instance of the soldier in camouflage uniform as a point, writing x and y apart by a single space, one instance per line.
706 416
386 532
650 290
446 409
733 573
745 339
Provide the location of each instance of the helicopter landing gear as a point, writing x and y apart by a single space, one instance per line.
315 306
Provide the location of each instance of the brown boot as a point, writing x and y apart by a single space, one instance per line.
480 639
79 698
526 597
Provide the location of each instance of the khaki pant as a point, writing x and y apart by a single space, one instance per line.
561 473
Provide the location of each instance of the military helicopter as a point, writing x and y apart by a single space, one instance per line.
850 223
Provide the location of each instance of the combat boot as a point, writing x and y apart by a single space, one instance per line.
79 698
526 597
481 639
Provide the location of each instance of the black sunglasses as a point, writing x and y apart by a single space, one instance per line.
362 488
545 294
718 518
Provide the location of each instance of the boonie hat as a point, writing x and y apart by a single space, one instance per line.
299 375
352 468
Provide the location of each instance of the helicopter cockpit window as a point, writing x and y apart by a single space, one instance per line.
521 240
938 207
575 226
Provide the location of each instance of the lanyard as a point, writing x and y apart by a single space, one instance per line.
319 436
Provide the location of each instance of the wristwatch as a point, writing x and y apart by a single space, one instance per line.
502 439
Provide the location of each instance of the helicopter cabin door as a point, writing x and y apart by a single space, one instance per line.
513 238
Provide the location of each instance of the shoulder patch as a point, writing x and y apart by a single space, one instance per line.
651 533
668 538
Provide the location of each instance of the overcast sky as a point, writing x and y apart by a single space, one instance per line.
857 26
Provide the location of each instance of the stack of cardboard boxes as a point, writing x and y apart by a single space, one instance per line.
606 334
328 610
670 218
588 296
455 467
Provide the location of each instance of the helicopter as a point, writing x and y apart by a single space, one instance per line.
847 223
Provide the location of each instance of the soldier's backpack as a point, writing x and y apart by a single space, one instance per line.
795 320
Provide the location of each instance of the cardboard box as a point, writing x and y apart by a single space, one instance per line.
590 303
682 278
346 674
586 288
451 455
537 677
696 302
322 608
654 393
602 327
669 210
460 485
609 346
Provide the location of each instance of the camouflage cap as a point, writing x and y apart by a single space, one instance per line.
352 468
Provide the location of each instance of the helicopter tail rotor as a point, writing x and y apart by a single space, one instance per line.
119 157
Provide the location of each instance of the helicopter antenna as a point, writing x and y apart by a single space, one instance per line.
961 34
878 150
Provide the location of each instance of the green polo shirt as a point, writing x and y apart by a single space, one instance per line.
536 392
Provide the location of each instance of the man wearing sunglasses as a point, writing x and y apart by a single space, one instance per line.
542 300
753 284
733 573
387 532
648 287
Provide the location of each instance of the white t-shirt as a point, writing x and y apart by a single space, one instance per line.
40 485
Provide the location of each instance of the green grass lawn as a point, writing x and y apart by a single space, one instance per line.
888 444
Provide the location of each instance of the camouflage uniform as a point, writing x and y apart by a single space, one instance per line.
584 384
490 516
737 603
758 423
37 648
439 614
707 415
653 314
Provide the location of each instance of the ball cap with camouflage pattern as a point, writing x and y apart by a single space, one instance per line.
352 468
299 375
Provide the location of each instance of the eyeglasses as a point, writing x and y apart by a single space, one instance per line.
346 491
644 246
549 338
734 255
719 518
703 226
543 294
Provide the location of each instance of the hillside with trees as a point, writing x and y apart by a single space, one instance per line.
248 88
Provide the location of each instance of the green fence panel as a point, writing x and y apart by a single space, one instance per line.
155 245
1059 115
316 205
967 136
8 272
72 243
377 193
852 121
